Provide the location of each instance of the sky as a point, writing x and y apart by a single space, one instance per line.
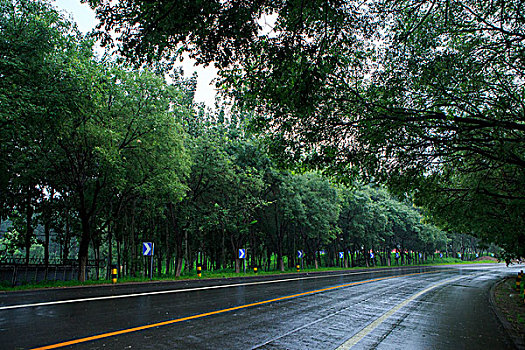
84 16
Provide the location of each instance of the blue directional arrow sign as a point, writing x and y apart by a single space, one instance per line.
300 254
341 255
371 255
242 253
147 248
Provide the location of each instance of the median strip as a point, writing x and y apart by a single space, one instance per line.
165 323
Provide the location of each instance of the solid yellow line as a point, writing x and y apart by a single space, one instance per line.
165 323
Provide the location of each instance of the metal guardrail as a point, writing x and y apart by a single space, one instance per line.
15 271
21 274
40 261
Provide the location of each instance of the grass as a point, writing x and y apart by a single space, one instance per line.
509 303
49 284
520 318
454 261
226 273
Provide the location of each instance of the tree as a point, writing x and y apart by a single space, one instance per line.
320 200
408 91
79 128
38 48
454 74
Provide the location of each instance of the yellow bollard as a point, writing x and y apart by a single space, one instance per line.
255 269
114 274
518 281
199 270
298 268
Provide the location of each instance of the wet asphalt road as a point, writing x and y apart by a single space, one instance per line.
415 308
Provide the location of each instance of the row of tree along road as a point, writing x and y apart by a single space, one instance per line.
96 158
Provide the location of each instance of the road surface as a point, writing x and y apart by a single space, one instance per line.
409 308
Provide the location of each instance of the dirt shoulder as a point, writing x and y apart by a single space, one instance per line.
510 308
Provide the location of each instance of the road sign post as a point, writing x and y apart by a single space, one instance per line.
242 255
148 249
300 255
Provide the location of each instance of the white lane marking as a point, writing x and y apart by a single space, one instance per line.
109 297
365 331
306 325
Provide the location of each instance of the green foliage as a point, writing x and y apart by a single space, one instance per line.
110 157
80 128
424 95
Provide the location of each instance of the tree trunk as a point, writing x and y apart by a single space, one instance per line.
85 215
186 252
168 249
29 228
110 253
67 235
237 265
159 264
96 247
83 250
223 249
168 264
178 265
47 228
119 261
132 251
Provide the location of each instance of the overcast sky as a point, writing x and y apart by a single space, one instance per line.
84 16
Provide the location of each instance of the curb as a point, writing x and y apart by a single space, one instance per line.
261 277
225 279
517 339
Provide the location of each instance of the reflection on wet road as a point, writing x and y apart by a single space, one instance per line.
413 308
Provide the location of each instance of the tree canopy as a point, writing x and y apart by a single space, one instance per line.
98 156
425 95
79 129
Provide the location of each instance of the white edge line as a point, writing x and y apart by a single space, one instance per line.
109 297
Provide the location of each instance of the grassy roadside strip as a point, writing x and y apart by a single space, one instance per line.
509 306
192 275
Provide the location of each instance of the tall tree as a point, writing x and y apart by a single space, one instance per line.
37 88
409 91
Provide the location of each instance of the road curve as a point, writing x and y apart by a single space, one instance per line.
409 308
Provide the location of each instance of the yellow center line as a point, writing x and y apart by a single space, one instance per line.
165 323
